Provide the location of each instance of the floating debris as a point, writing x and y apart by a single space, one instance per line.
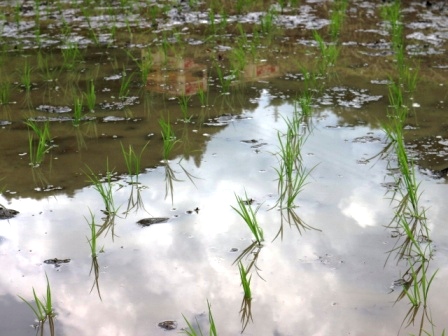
153 220
168 325
7 213
56 262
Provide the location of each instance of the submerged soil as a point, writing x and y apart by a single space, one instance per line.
226 79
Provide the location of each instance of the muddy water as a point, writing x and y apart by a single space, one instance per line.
335 279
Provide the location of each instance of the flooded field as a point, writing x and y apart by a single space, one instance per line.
223 167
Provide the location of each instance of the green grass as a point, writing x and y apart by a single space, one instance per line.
168 137
184 100
133 160
245 281
43 309
5 92
25 76
38 151
105 187
90 96
77 111
248 214
192 331
71 55
124 84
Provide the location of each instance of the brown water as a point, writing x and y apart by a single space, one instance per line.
335 280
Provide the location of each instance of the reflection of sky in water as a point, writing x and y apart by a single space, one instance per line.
332 282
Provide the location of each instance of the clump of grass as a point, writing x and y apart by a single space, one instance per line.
168 137
77 111
248 214
5 93
25 76
245 281
71 55
43 309
329 52
133 160
42 132
90 96
125 83
191 331
183 102
104 186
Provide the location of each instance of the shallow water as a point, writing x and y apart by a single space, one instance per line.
337 278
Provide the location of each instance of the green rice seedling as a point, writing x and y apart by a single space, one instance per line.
125 83
267 22
304 101
44 137
183 102
211 22
43 309
133 160
191 331
25 76
5 92
90 96
104 186
409 77
224 80
337 18
245 281
71 55
168 137
203 97
329 52
77 111
144 64
248 214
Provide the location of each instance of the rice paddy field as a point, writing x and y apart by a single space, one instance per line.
223 167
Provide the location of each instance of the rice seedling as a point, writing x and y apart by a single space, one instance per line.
337 18
125 83
224 80
245 281
104 186
168 137
43 309
329 52
248 214
133 160
211 22
90 96
267 22
183 102
44 137
71 55
25 76
144 64
203 97
5 92
77 111
191 331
